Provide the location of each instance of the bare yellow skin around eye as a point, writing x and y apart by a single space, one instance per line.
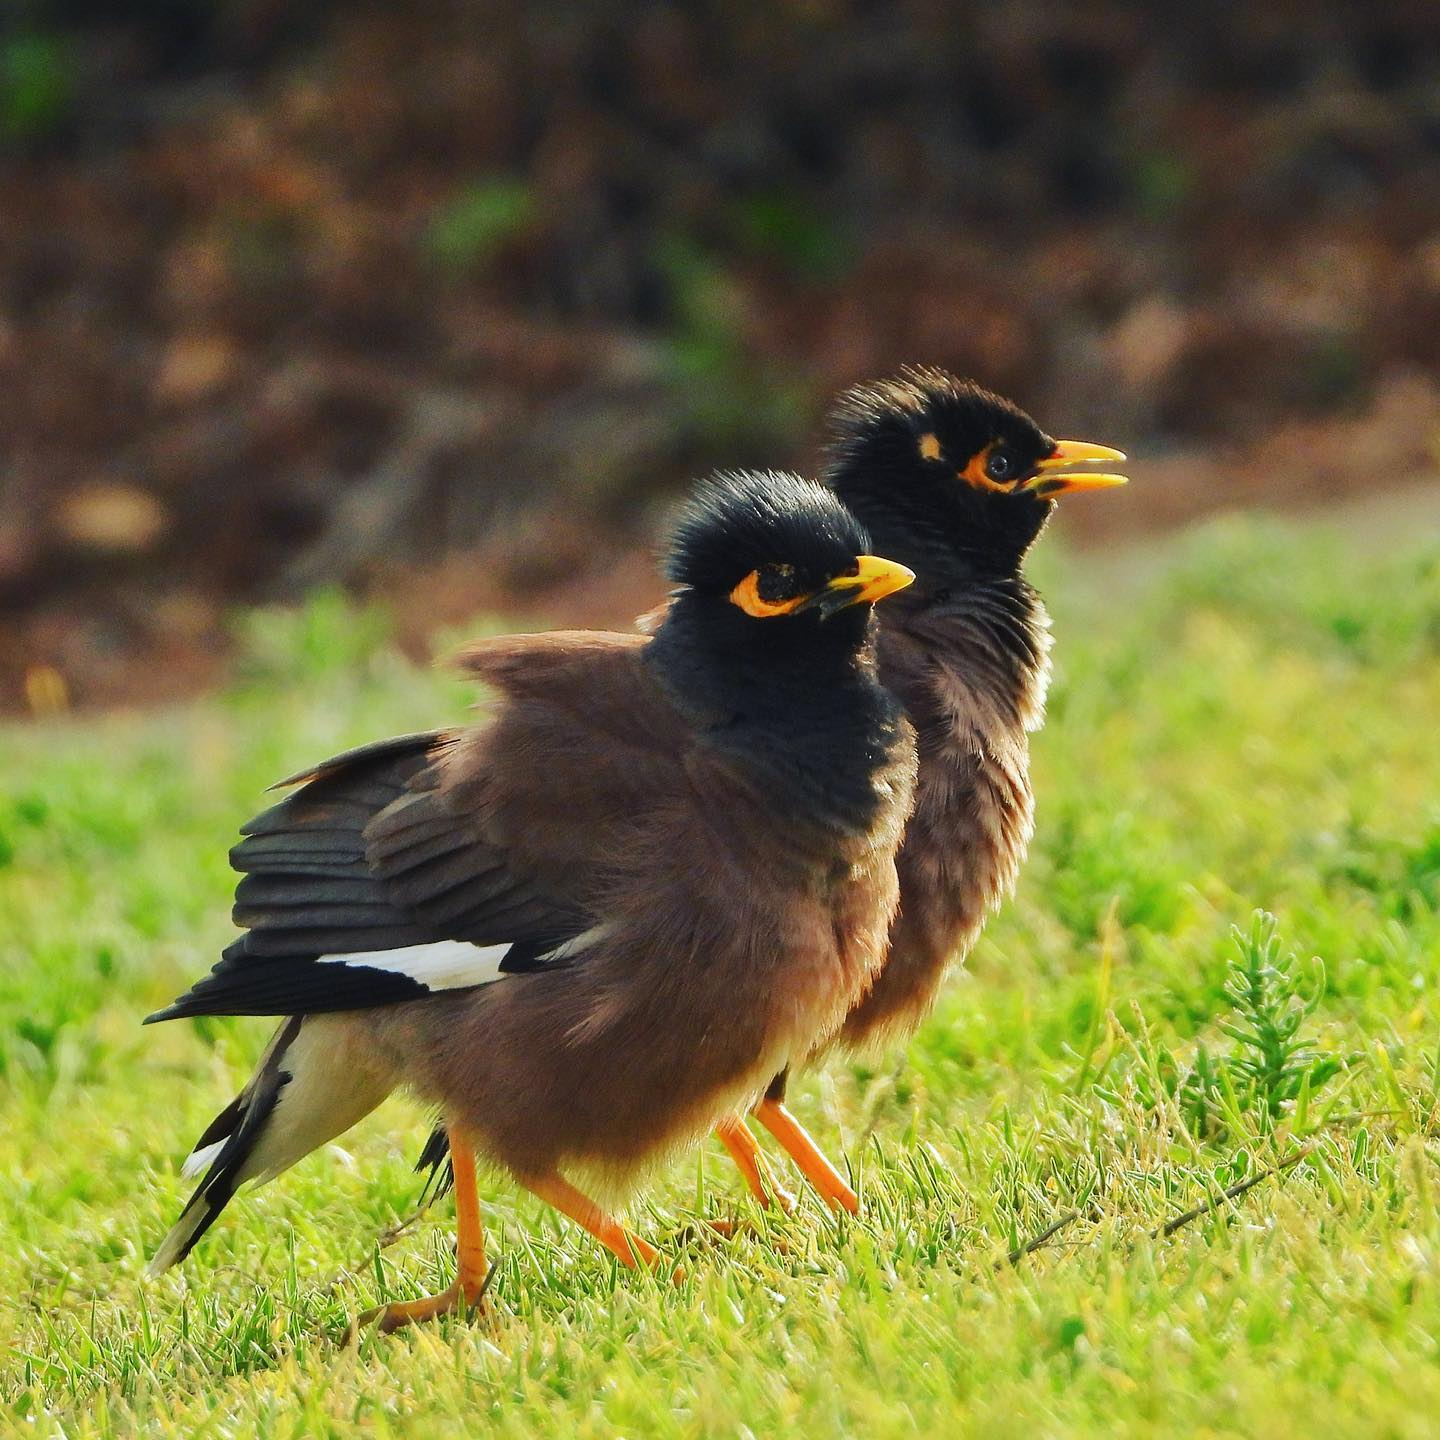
747 596
974 473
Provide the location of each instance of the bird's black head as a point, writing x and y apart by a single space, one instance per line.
955 481
765 647
776 549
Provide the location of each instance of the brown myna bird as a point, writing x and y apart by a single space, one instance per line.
956 483
595 926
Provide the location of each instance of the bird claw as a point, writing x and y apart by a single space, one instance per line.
730 1229
705 1232
470 1299
718 1231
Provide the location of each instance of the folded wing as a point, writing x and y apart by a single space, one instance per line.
451 858
370 885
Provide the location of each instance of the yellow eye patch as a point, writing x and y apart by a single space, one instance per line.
748 597
974 473
930 447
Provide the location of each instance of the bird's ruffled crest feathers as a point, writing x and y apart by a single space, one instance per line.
742 520
917 392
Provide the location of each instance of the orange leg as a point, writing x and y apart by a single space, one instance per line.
806 1154
736 1137
471 1269
631 1249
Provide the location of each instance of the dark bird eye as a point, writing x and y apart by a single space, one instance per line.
1000 464
776 582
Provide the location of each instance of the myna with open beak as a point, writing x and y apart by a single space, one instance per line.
595 926
956 483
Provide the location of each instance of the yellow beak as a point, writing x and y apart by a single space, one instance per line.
876 578
1047 484
872 579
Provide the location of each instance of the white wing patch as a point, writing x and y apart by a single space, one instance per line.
569 949
457 964
441 965
198 1161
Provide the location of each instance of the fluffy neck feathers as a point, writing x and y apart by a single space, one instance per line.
973 609
991 639
795 703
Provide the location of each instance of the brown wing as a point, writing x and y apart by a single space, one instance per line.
451 858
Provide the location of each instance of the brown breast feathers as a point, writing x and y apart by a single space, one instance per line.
973 682
726 942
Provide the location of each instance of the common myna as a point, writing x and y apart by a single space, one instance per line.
595 926
957 483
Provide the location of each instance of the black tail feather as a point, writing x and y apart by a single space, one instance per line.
243 1120
435 1158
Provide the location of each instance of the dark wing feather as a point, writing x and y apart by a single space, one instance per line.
237 1125
369 855
360 759
492 837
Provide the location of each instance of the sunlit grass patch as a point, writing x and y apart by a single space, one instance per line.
1250 726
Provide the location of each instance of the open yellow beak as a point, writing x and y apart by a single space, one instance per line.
1047 483
872 579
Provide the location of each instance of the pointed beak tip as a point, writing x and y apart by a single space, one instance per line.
1084 452
880 577
872 579
1048 484
898 575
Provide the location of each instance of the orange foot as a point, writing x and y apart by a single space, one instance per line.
472 1276
391 1317
629 1249
796 1142
735 1135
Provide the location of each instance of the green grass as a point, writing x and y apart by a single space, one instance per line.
1243 718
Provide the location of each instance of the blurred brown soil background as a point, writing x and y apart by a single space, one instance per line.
443 302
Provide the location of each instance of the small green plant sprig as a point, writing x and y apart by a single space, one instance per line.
1271 1060
1270 1071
